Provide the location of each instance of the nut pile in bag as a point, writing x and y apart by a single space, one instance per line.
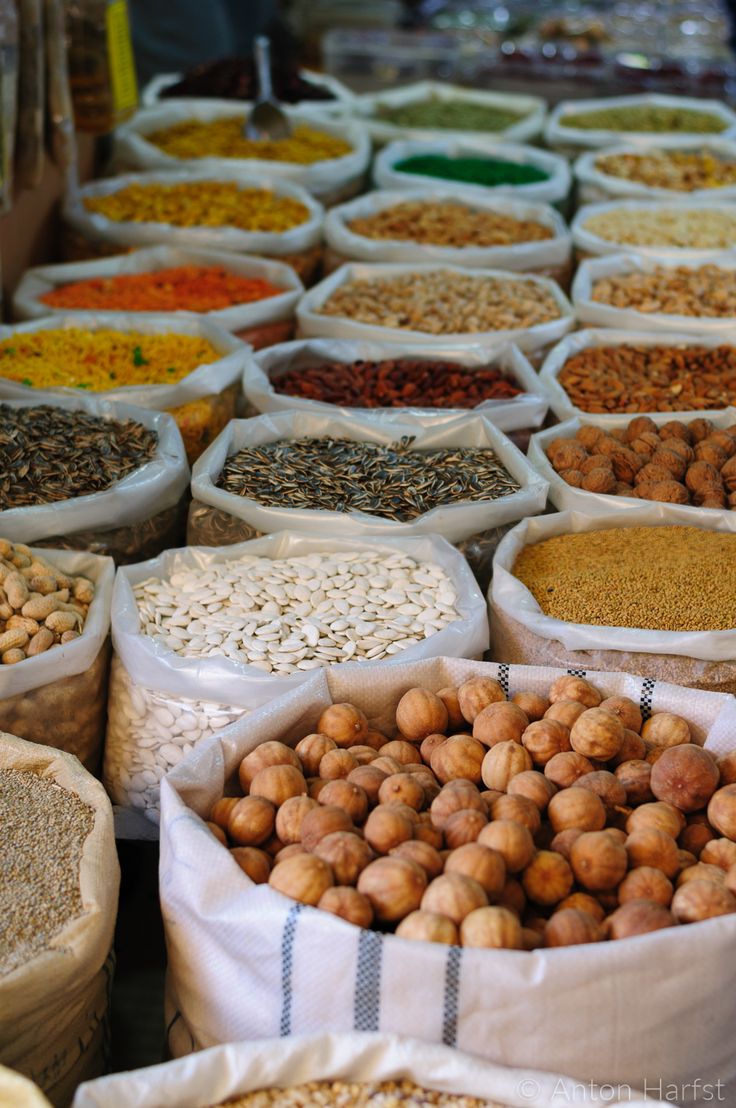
558 821
679 170
685 228
708 292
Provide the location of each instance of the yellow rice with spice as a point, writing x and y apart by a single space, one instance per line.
224 138
201 204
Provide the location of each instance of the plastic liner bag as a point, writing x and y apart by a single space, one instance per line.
595 186
219 518
152 93
270 319
555 190
588 244
551 257
224 1072
221 928
557 358
59 698
595 313
300 246
137 516
29 157
330 180
311 324
202 403
53 1009
152 721
528 409
571 140
522 633
569 498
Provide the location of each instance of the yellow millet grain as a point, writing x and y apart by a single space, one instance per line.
223 138
656 578
201 204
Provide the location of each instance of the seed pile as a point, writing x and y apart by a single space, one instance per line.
649 118
679 170
658 578
338 475
650 378
442 302
708 292
42 832
51 454
356 1094
397 384
471 170
686 228
200 204
448 224
456 115
224 138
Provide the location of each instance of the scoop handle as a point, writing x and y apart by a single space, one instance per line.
262 57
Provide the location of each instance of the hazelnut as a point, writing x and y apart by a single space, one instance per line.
597 733
323 821
454 895
278 783
646 883
598 861
687 777
217 831
502 762
347 795
564 769
719 852
251 821
544 739
565 712
290 817
599 480
394 887
635 778
337 763
638 917
578 808
267 754
463 827
455 797
722 811
429 927
572 927
348 904
699 900
369 779
476 694
459 757
605 785
518 809
303 877
311 749
532 705
429 745
346 854
548 878
651 847
256 863
633 749
221 810
483 864
420 713
493 928
584 902
701 871
694 837
512 841
500 722
574 688
401 751
455 718
422 853
344 723
563 840
513 896
402 788
665 729
658 814
534 786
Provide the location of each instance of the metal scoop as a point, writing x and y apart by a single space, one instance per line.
267 120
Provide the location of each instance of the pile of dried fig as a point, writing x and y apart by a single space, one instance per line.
487 822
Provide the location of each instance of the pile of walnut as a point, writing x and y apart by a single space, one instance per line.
40 607
678 463
558 821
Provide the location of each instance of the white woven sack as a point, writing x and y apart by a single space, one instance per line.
542 255
312 324
129 235
152 93
300 971
587 242
225 1072
526 410
594 313
594 185
152 488
40 280
205 380
560 402
133 148
571 140
569 498
454 522
552 191
53 1008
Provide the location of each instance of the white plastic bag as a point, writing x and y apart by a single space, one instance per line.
544 256
554 190
53 1008
148 721
594 185
323 179
588 243
225 1072
311 324
302 972
240 319
571 140
512 414
596 313
134 514
560 402
152 93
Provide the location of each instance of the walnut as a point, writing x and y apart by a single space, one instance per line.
728 475
596 461
726 440
675 429
622 489
588 436
643 449
607 445
711 498
671 460
566 454
643 491
700 429
702 475
640 426
599 480
652 472
669 492
573 477
626 464
709 451
732 500
682 448
618 433
647 443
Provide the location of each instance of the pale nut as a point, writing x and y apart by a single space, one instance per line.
40 642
